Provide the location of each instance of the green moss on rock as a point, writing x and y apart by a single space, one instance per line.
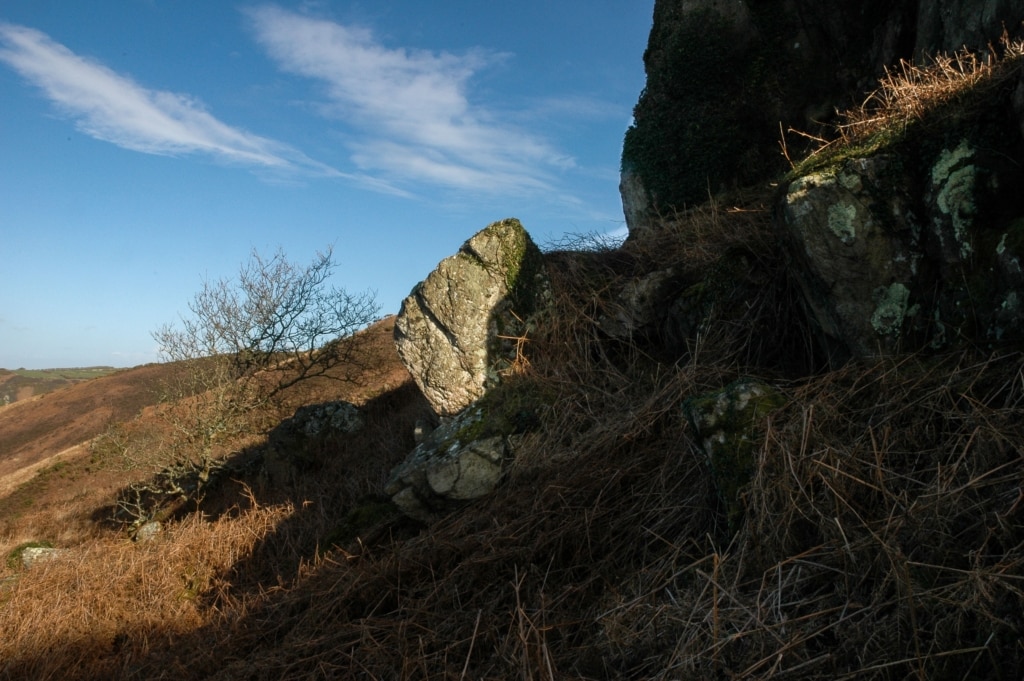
685 139
14 561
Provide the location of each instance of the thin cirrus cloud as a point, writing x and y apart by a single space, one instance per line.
114 108
409 109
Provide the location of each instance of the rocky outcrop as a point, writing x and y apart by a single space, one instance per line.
459 333
457 330
918 245
856 252
725 78
642 304
317 421
295 443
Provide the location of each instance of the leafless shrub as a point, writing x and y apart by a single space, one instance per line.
244 345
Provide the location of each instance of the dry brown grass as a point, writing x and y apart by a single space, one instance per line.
93 610
883 535
912 92
921 96
883 538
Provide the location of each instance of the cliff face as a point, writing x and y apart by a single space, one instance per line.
725 78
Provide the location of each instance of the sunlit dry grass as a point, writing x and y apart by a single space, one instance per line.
95 609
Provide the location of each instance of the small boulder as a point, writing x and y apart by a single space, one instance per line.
315 422
456 332
296 442
34 555
728 422
448 467
148 531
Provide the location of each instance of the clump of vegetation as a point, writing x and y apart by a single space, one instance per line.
915 100
245 343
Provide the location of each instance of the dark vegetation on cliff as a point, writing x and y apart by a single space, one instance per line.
881 533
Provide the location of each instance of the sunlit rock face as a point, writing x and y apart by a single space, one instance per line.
456 331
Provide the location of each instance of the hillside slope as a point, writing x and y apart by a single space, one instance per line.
22 384
32 430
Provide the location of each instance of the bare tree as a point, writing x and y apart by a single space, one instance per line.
278 319
245 341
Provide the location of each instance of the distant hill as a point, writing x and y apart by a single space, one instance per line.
22 384
69 408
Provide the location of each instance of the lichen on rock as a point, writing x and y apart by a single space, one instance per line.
891 308
854 245
456 331
953 183
842 221
448 468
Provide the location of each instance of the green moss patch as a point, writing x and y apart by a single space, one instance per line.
14 556
729 423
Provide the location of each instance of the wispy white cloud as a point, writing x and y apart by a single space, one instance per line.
114 108
410 109
577 107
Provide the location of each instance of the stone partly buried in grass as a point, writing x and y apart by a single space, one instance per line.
728 422
448 467
30 554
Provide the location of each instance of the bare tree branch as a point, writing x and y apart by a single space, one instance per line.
246 340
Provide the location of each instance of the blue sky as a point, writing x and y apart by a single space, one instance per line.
147 145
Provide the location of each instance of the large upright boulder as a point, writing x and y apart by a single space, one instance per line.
457 330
